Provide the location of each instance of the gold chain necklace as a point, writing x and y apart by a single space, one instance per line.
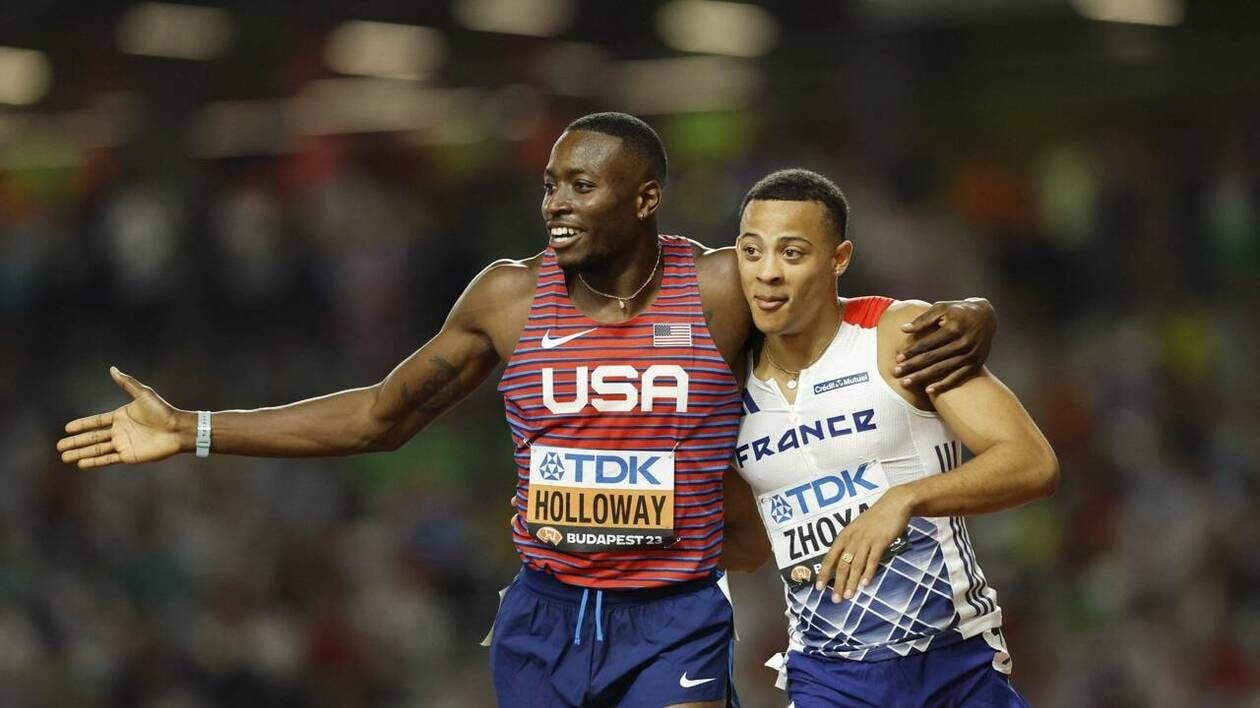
622 300
796 373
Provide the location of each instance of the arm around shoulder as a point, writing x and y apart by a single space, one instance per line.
950 342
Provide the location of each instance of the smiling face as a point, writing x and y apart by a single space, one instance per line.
597 196
789 258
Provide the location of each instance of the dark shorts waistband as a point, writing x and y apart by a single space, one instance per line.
545 584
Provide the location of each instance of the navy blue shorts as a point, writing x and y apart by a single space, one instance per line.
961 674
559 645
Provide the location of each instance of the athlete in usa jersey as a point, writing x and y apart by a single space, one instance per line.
860 476
623 434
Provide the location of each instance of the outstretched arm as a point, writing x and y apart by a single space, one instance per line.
379 417
949 342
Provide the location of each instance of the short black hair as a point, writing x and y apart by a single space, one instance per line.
797 185
634 133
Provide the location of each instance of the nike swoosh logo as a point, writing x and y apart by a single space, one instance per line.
549 343
692 683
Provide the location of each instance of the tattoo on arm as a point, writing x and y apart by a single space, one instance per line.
437 391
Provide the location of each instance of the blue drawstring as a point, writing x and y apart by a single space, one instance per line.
599 623
577 630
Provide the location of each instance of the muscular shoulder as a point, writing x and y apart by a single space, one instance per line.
898 313
725 311
716 260
496 302
718 271
892 339
506 280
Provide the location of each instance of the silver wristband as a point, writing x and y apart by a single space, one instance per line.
203 433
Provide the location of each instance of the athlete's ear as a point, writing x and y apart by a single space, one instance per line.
649 199
841 256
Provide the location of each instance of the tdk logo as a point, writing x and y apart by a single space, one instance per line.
609 469
551 469
825 491
780 510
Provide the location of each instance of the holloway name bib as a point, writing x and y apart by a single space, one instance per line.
600 500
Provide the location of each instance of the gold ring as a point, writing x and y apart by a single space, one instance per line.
846 557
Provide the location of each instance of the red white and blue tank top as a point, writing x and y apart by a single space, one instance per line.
623 432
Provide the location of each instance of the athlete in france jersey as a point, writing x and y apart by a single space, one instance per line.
858 473
818 463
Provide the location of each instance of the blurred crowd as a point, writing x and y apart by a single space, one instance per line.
1123 261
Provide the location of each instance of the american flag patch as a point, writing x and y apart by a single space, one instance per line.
671 335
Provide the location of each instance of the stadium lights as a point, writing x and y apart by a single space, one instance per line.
106 125
518 111
554 68
25 75
64 138
685 85
711 27
241 128
1161 13
385 50
511 113
157 29
343 106
332 106
532 18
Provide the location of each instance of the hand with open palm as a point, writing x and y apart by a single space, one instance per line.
145 430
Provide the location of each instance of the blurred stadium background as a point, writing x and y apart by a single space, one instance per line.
247 205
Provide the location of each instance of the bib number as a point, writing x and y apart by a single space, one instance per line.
600 500
804 518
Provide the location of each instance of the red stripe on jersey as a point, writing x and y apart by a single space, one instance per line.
865 311
701 438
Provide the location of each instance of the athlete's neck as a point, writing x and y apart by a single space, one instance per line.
628 271
802 347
